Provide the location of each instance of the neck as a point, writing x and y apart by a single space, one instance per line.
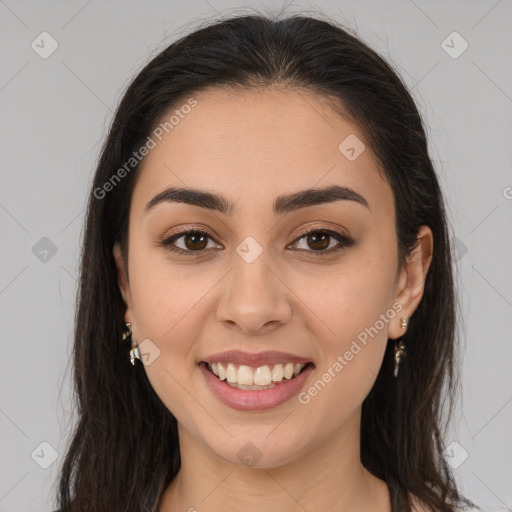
328 476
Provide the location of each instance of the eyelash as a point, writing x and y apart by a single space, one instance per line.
342 239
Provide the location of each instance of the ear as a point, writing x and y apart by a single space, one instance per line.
122 274
411 282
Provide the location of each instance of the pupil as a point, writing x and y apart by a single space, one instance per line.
192 239
318 241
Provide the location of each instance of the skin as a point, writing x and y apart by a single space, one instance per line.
251 147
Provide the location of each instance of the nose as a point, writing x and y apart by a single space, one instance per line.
254 298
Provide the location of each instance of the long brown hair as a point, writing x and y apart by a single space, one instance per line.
124 450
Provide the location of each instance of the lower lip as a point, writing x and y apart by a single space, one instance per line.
253 400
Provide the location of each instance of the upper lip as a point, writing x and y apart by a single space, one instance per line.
259 359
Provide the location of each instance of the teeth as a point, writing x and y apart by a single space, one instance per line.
231 373
288 371
246 377
277 373
222 372
262 376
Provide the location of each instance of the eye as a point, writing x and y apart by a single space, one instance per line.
323 241
194 242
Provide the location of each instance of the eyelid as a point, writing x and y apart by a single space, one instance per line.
168 240
344 240
322 228
179 231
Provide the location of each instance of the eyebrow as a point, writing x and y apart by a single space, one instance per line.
283 204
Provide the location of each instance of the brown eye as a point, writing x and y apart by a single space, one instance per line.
190 242
195 241
323 241
318 240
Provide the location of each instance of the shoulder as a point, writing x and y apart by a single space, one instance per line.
418 506
500 509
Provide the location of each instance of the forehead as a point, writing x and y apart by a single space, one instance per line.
257 143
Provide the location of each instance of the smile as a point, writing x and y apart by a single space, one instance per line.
246 377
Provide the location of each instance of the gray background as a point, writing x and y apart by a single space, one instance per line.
54 116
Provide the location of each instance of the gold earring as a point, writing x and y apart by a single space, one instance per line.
400 349
400 353
134 351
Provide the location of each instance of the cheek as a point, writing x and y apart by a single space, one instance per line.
163 292
351 350
169 310
352 311
339 306
350 298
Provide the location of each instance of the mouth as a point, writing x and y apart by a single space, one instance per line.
252 378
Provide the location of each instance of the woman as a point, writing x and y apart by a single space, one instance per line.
266 243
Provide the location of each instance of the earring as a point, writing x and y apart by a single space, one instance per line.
400 350
134 351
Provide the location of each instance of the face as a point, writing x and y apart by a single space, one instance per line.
270 275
